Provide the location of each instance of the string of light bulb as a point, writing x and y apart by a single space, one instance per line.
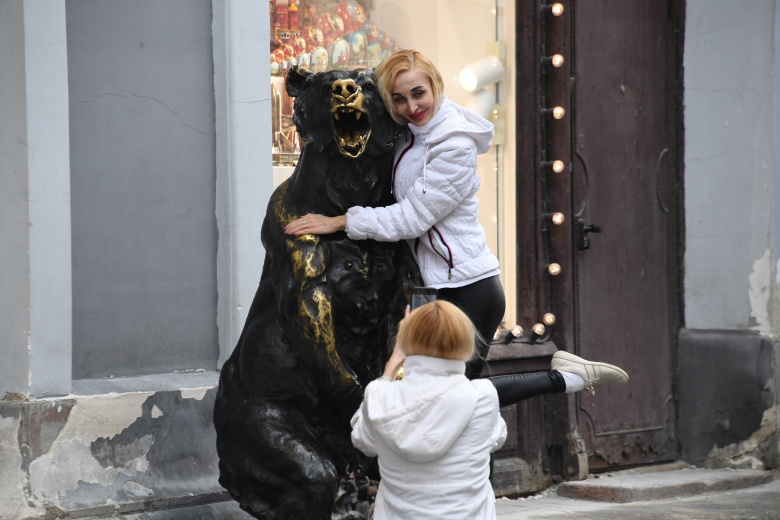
540 330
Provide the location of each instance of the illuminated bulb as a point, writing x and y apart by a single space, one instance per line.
554 269
557 60
558 112
517 331
539 329
557 166
548 319
557 9
557 219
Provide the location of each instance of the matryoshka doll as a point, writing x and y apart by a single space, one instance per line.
373 48
324 24
336 29
353 14
314 38
357 42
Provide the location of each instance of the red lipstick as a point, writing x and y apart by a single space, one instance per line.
417 116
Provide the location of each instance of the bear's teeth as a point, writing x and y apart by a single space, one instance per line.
358 114
336 115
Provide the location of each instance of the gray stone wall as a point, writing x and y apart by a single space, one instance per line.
727 373
143 181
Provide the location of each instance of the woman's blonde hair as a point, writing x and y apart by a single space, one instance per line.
437 329
403 61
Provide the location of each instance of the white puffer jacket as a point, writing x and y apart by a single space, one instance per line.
435 181
433 431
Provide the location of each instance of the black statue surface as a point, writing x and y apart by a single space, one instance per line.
323 318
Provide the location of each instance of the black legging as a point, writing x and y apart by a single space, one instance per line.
519 387
484 303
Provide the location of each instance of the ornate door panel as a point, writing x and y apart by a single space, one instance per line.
617 295
624 114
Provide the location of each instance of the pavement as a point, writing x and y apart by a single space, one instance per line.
665 492
673 491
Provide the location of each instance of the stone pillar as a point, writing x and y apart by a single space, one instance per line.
35 256
242 89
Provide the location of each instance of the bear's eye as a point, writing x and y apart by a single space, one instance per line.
327 89
368 85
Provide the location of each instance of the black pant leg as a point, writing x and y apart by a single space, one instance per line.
484 303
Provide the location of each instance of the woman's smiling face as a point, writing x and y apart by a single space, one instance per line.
413 97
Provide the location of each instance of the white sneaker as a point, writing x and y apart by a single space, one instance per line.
592 372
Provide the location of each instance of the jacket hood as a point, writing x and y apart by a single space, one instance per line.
410 416
452 119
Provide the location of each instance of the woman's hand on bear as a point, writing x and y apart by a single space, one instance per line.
315 224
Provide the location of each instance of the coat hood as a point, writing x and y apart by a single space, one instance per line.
410 414
452 119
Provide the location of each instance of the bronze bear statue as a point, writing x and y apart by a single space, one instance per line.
325 313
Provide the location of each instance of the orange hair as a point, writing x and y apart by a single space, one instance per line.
437 329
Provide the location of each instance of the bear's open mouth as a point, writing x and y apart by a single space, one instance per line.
351 122
351 128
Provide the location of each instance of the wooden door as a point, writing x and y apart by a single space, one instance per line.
617 298
625 167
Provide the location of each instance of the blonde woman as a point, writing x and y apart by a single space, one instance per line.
435 182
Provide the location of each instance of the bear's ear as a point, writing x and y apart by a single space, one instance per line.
297 78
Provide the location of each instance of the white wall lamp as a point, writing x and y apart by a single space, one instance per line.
481 102
481 73
476 76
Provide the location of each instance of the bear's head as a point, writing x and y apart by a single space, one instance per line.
341 110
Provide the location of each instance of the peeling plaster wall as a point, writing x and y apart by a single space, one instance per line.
106 453
730 169
727 399
727 365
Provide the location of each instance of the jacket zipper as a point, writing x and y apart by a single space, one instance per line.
395 168
450 261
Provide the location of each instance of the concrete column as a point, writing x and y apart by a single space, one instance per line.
48 167
242 87
14 265
36 255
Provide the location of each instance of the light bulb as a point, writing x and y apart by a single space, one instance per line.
557 9
548 318
557 218
557 166
558 112
539 329
554 269
557 60
517 331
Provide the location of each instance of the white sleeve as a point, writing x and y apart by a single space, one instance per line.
362 436
450 176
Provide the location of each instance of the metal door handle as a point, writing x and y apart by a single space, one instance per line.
583 231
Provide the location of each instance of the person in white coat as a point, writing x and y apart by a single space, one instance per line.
434 430
435 182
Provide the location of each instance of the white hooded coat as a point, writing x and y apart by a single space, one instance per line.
433 431
435 181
